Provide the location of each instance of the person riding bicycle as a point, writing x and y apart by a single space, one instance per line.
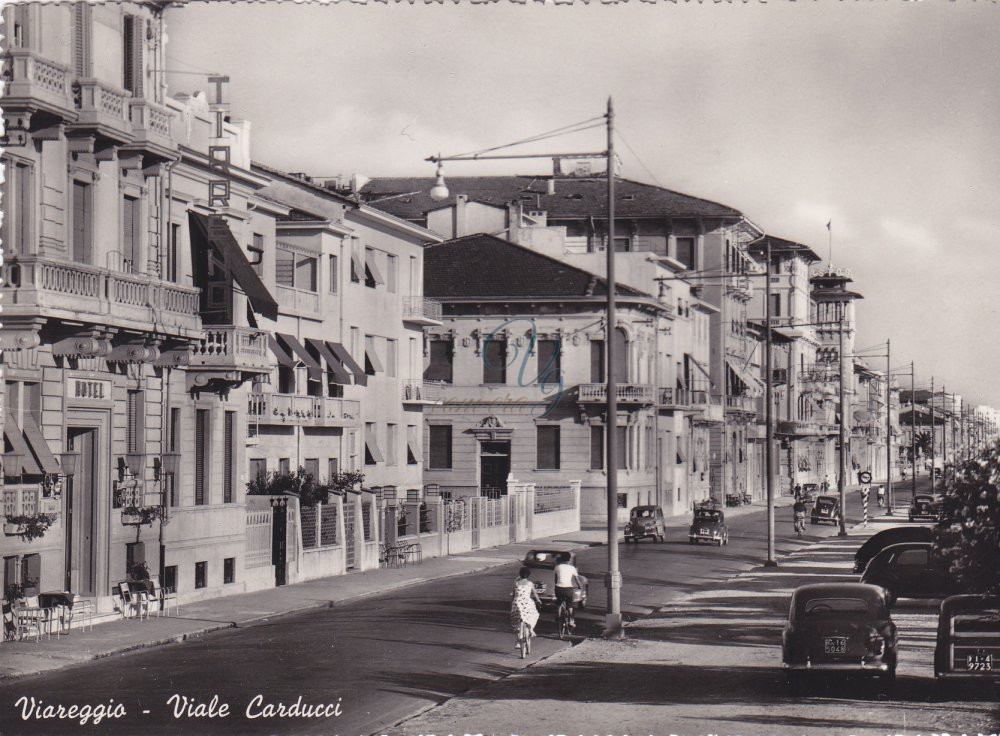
567 581
881 496
799 513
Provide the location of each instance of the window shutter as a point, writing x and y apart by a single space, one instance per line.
81 224
133 38
284 268
597 448
597 361
200 439
132 422
81 39
548 448
622 447
440 450
227 461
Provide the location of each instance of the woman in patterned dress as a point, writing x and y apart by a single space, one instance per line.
523 608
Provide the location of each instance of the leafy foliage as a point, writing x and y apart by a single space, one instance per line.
969 539
302 484
923 442
32 526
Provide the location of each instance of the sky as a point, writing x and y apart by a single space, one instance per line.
878 116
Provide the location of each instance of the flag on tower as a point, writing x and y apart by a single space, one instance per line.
828 223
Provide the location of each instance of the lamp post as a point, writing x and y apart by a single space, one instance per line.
842 457
768 413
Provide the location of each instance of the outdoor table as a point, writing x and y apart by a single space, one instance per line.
61 600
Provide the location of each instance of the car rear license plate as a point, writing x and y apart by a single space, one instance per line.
979 663
704 531
835 645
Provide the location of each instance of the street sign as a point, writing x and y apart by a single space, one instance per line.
865 477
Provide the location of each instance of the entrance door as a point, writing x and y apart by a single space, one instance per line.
279 541
494 468
81 513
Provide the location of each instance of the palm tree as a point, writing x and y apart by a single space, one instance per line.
923 442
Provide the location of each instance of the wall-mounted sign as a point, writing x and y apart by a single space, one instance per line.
92 389
219 156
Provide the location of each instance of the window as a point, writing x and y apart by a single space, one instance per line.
295 270
256 254
495 360
133 422
170 265
687 252
258 470
440 367
440 450
228 570
391 273
81 231
170 576
390 443
173 445
547 446
391 357
412 445
373 275
621 448
135 554
597 361
333 274
549 361
596 448
333 467
912 557
228 457
311 467
200 574
372 363
16 226
134 40
201 427
284 466
131 226
357 267
373 453
775 305
286 380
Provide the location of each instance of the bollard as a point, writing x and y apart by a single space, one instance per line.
864 504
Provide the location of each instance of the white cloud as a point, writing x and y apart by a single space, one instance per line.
910 236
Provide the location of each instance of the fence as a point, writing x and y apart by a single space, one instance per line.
554 498
258 552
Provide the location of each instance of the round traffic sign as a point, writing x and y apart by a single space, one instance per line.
865 477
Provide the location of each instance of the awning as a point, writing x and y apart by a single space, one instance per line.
332 362
682 453
313 368
39 446
371 355
371 445
25 460
373 267
700 367
752 383
357 263
216 231
280 353
339 351
413 443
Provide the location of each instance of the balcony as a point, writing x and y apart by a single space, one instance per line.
297 300
419 392
42 287
747 404
673 398
740 286
705 406
421 311
303 411
231 348
806 428
625 393
35 83
103 110
150 125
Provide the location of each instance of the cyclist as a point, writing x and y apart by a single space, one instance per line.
567 582
799 512
881 496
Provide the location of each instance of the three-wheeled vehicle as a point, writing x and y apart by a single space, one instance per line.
968 638
709 525
826 508
645 521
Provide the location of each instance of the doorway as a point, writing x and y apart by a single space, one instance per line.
494 467
279 542
81 517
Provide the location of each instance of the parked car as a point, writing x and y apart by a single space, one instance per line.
910 570
925 506
547 559
709 525
968 638
645 521
838 627
887 537
809 491
826 508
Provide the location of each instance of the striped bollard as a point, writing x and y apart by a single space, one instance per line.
864 504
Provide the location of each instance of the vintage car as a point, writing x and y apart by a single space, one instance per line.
645 521
925 506
968 638
709 525
838 627
887 537
809 491
547 559
826 508
910 570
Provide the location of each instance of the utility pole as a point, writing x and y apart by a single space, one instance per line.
933 433
769 415
944 428
888 426
913 434
842 480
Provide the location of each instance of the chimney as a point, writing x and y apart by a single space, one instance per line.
358 181
556 166
550 186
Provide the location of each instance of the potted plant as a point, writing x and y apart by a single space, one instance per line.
140 515
28 526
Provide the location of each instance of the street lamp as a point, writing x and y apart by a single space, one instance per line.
439 192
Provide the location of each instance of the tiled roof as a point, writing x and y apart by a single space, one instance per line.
408 198
484 266
780 244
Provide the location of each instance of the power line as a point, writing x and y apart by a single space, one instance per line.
564 130
639 158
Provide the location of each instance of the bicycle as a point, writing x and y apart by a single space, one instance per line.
524 640
800 523
564 620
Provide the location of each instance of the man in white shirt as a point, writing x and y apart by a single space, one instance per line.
567 580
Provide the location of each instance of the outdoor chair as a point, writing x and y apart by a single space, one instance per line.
124 602
32 619
162 595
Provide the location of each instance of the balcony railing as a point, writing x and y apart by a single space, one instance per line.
298 300
296 409
102 108
421 311
674 397
34 285
625 393
419 391
36 82
742 403
820 373
806 428
234 348
151 126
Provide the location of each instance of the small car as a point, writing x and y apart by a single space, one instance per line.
709 525
547 559
809 491
910 570
838 627
887 537
968 638
826 508
938 472
645 521
925 506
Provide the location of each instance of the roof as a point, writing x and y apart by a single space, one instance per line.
780 245
409 198
816 590
484 266
257 165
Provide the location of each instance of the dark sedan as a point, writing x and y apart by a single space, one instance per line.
838 627
910 570
826 508
926 507
886 538
709 525
968 638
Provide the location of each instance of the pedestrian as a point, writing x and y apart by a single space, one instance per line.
798 492
523 608
881 496
799 516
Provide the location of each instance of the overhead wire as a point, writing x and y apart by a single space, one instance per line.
564 130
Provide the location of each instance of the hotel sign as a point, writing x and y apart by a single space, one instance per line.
219 156
89 389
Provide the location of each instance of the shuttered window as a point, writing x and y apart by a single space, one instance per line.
284 268
80 234
621 449
494 361
597 448
15 230
133 421
597 361
130 235
440 367
228 459
440 449
333 275
311 466
258 469
549 361
200 456
133 39
81 39
547 442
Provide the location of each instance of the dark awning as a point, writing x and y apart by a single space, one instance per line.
19 458
280 353
215 229
700 367
371 444
360 377
332 362
39 446
312 366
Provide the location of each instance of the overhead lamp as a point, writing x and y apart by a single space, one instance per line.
67 462
439 192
